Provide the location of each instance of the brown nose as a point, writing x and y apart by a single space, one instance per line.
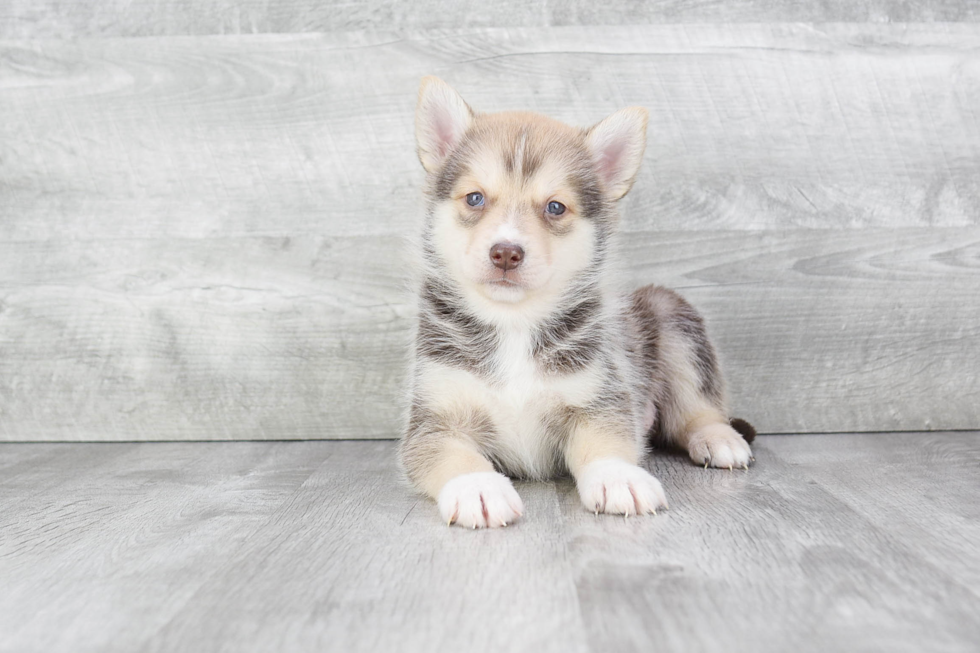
506 256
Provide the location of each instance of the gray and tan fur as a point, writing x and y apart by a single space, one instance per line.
529 361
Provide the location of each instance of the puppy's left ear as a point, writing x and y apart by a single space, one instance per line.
617 144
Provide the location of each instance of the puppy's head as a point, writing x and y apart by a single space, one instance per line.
521 204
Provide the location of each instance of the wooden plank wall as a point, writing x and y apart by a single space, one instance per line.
87 18
203 235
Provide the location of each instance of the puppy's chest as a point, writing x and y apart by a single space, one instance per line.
525 404
522 387
522 400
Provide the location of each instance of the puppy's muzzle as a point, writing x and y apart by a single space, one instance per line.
506 256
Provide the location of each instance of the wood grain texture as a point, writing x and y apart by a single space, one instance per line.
179 546
104 559
203 237
267 338
372 547
752 127
203 339
934 504
72 19
828 542
818 330
772 560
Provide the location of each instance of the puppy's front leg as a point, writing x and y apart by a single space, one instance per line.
602 457
441 458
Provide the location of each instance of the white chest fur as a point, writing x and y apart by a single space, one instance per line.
519 398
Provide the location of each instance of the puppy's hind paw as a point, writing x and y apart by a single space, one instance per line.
616 487
480 500
719 445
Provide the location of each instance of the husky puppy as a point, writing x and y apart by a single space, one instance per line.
529 361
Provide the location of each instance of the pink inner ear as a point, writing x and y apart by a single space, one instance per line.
445 133
611 161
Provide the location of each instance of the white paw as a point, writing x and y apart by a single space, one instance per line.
480 500
719 445
616 487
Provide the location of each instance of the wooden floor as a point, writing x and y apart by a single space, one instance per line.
830 542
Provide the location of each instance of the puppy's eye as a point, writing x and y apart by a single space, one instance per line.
475 199
555 208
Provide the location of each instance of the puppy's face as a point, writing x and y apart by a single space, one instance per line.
521 204
516 208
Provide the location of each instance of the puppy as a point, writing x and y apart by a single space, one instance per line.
529 362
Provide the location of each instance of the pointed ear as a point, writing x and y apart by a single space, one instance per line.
441 119
617 144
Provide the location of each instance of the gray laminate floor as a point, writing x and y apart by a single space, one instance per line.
830 543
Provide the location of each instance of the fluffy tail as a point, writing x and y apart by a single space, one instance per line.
746 430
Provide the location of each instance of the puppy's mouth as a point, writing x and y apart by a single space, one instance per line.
504 281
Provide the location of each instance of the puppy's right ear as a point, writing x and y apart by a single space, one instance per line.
441 119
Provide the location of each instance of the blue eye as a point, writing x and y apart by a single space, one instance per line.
475 199
556 208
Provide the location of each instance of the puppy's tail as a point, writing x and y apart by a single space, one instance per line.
745 429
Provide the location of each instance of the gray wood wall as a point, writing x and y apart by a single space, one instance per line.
204 206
